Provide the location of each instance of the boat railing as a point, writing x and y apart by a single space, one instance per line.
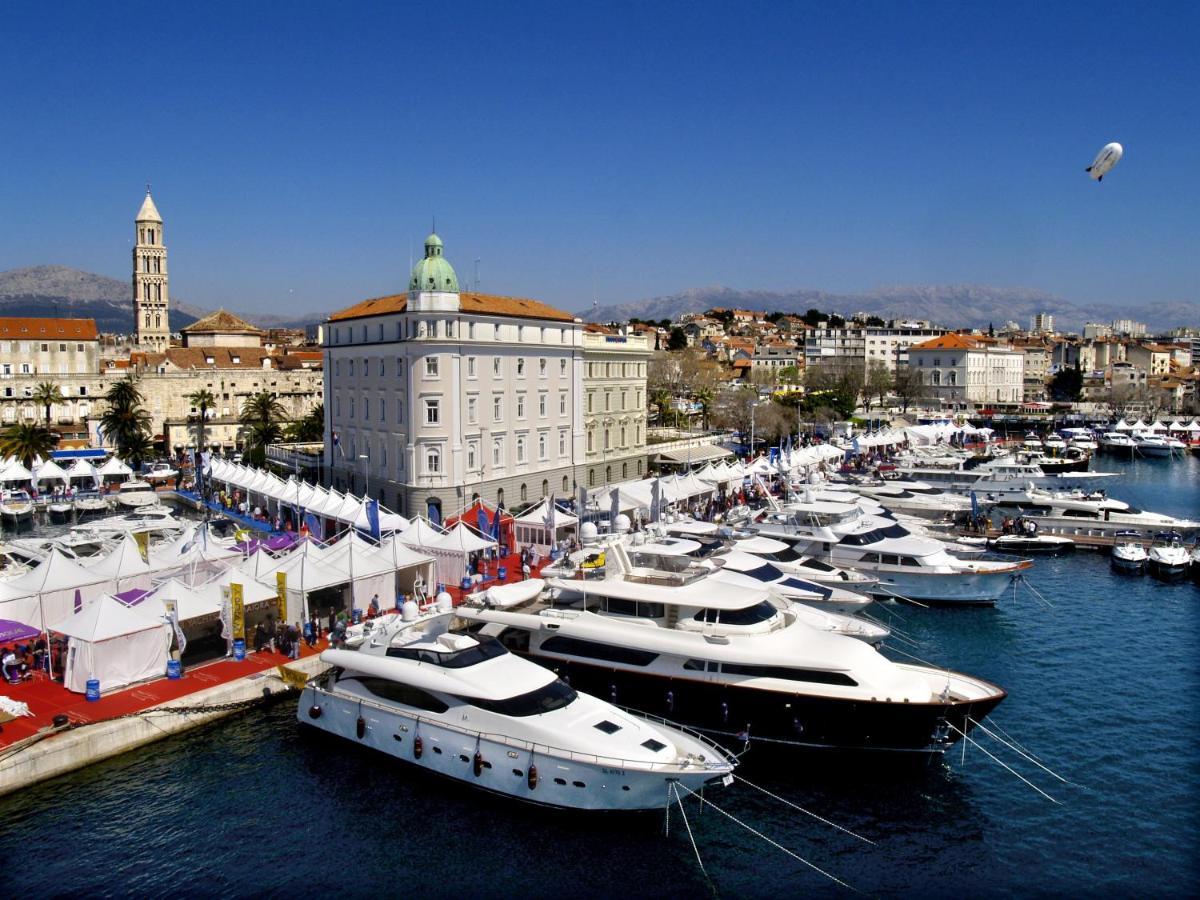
535 747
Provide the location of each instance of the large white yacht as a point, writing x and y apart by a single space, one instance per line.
1001 475
917 498
785 558
908 566
1091 512
464 707
733 662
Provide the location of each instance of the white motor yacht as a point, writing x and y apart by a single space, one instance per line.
16 505
1169 559
91 502
1129 553
733 662
1054 444
828 597
917 498
1117 442
785 558
908 566
60 507
158 472
1042 544
1032 443
1064 512
1152 445
136 494
1003 475
463 706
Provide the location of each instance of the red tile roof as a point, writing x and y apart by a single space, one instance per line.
28 328
947 342
486 304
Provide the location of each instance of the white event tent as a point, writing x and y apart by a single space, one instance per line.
112 643
543 525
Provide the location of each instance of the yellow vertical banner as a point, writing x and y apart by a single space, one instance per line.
143 544
237 611
281 594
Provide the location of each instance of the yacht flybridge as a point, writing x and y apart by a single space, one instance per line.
732 661
908 566
464 707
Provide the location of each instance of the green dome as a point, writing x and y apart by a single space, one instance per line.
433 273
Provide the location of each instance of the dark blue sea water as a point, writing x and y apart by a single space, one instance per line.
1103 687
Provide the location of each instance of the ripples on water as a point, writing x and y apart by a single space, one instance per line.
1102 686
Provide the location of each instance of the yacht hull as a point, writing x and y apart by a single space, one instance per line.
563 781
778 719
1135 566
957 589
1167 571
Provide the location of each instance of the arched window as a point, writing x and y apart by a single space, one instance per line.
545 487
935 377
500 497
564 487
591 477
624 470
433 507
524 492
952 377
607 474
433 460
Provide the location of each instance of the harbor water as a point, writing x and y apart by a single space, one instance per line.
1102 687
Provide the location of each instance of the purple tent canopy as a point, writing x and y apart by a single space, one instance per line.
15 631
133 596
274 543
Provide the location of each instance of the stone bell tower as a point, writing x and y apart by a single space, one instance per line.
150 280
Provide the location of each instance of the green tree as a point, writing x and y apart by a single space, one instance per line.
878 383
310 428
138 449
204 400
1067 384
26 441
908 385
678 339
125 421
262 415
661 399
47 394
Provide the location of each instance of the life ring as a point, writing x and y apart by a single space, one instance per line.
531 778
477 764
418 746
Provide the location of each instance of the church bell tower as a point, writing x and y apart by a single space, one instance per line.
150 280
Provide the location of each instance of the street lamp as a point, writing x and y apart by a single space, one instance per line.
753 406
366 476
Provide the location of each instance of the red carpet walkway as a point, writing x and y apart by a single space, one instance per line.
46 698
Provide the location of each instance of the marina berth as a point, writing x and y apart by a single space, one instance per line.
464 707
731 660
1093 512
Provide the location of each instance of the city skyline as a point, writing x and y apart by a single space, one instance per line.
300 162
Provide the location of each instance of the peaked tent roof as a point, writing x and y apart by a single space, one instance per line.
105 618
124 561
537 516
461 538
54 573
419 533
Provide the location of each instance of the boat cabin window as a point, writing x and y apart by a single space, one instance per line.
762 573
787 674
637 608
869 558
1081 513
817 566
699 665
787 555
568 646
555 695
749 615
487 648
397 692
909 561
889 559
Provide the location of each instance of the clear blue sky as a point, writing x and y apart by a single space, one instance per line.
298 151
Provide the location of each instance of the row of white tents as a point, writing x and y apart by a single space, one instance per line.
80 473
1179 426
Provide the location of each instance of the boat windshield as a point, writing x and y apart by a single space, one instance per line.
555 695
762 573
874 535
748 615
486 648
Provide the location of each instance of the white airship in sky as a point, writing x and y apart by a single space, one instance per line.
1109 156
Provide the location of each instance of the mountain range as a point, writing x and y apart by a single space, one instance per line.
948 305
72 293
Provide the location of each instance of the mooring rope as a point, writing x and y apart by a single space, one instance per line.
996 759
799 808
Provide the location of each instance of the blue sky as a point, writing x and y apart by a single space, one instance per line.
298 151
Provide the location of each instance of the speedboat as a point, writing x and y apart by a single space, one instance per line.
1045 544
463 706
1169 560
915 498
734 662
1118 442
1054 444
1032 443
1153 445
134 494
159 471
60 507
1128 554
90 502
16 505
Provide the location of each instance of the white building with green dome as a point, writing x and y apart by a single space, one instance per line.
439 396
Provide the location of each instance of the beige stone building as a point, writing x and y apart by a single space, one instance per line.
39 346
614 417
150 296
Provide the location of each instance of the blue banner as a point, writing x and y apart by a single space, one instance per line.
314 526
373 518
481 520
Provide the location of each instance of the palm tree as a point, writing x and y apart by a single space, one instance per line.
138 448
309 429
204 400
125 420
262 415
47 394
661 398
26 441
704 396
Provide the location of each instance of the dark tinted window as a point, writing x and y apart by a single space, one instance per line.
546 699
574 647
817 566
811 675
405 694
749 615
634 608
487 648
762 573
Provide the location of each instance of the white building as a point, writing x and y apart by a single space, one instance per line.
614 414
1042 323
438 396
958 369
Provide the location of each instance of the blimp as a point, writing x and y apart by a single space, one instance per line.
1109 156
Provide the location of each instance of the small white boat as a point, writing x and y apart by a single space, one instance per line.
61 509
1128 554
90 503
1153 445
505 595
16 505
1170 560
1046 544
160 471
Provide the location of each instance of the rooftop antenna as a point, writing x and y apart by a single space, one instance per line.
147 189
